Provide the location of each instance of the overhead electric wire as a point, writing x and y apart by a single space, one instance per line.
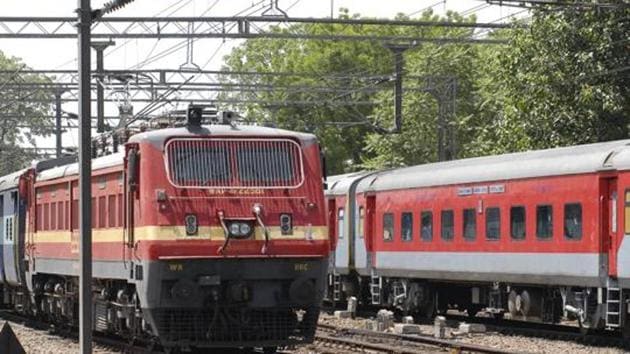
174 48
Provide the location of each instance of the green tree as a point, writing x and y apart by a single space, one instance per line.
562 81
432 67
344 76
23 112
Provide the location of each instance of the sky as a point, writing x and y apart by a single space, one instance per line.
61 54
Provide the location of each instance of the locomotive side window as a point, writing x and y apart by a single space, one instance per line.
517 222
53 216
573 221
111 211
388 226
406 226
493 223
361 222
470 224
75 214
40 218
448 225
426 219
60 216
340 230
544 221
46 225
626 213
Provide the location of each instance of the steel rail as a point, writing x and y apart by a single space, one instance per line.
69 332
424 339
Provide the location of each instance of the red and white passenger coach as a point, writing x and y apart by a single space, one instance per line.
538 234
204 236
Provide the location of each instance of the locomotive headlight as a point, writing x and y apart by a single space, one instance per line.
245 229
191 224
239 229
235 229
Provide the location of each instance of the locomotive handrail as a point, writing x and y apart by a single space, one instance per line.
226 232
257 210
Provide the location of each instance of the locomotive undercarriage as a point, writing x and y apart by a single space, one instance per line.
588 306
54 299
191 304
233 303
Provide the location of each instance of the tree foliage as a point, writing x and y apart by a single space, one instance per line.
23 112
561 80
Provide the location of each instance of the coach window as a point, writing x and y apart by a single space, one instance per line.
426 227
361 222
517 222
448 224
544 221
573 221
406 226
470 224
493 223
388 226
340 217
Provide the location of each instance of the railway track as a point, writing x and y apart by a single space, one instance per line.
394 343
562 332
546 330
106 342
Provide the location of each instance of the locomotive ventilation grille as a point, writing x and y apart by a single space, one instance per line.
228 326
230 163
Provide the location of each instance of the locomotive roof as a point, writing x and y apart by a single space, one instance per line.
551 162
73 169
158 137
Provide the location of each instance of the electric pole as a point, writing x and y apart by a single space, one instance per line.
84 14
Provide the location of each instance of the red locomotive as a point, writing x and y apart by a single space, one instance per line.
204 236
538 234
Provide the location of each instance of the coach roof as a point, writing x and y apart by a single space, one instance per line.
339 184
158 137
552 162
73 169
11 181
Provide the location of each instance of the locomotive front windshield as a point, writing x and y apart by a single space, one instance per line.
217 163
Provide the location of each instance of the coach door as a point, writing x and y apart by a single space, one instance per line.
611 225
332 217
10 254
342 252
365 230
360 249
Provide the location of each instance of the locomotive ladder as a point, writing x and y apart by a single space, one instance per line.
613 303
376 284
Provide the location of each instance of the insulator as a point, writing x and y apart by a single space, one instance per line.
115 5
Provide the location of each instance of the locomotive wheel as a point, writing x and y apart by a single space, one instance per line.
512 303
524 303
